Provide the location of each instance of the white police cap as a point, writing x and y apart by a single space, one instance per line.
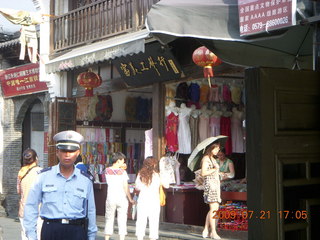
68 140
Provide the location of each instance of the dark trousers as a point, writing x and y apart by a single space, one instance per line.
59 231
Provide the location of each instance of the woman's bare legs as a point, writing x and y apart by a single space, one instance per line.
214 207
205 232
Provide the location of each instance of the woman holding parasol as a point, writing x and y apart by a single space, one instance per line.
207 151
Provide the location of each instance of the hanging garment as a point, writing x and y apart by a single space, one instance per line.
226 94
82 108
28 37
92 107
170 93
104 108
130 108
184 133
214 93
204 94
225 129
148 149
203 128
181 93
237 132
172 122
236 94
214 123
194 127
100 135
111 136
194 92
142 112
167 169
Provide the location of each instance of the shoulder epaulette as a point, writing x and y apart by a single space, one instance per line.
45 170
87 175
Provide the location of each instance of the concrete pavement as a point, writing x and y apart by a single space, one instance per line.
10 230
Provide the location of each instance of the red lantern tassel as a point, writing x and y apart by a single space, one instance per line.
208 71
89 92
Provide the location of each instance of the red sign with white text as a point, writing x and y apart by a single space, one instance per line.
21 80
257 16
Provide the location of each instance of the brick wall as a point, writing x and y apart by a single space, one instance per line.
13 115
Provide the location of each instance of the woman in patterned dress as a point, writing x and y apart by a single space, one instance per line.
211 194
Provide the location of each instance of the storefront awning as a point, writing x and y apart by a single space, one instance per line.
127 44
215 23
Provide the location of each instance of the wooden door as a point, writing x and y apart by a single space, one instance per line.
283 149
63 117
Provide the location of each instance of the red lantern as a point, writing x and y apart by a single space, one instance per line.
89 80
203 57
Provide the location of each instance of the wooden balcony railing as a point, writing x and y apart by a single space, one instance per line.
99 20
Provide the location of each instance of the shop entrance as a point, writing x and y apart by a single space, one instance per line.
33 129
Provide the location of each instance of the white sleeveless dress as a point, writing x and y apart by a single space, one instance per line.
184 133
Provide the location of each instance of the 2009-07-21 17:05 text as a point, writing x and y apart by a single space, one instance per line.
263 214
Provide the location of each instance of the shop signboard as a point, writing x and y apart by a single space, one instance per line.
21 80
156 64
260 16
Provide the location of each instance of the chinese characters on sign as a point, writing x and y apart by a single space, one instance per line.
21 80
155 65
257 16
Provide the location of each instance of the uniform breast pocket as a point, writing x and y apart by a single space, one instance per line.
79 196
50 194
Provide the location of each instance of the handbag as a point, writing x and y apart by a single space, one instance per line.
162 196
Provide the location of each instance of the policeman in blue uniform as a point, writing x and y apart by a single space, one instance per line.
65 195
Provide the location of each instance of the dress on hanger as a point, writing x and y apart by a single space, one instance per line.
167 168
203 127
237 132
171 133
214 93
204 94
148 149
226 94
194 127
82 108
214 123
225 129
236 94
92 107
184 133
194 92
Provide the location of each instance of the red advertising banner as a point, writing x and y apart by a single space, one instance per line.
257 16
21 80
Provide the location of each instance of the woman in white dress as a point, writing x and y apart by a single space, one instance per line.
148 207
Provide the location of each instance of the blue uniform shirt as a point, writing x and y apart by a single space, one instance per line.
60 198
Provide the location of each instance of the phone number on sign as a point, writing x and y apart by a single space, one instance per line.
277 21
249 214
270 23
